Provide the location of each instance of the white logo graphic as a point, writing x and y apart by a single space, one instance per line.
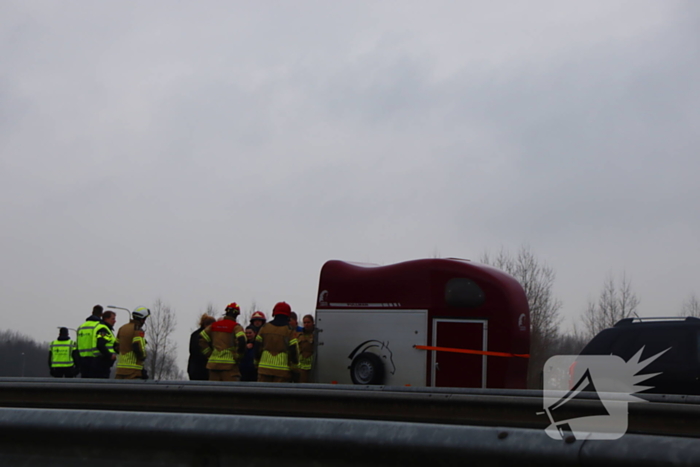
322 297
607 385
521 322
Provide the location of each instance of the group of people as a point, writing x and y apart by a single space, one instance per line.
275 351
220 350
97 348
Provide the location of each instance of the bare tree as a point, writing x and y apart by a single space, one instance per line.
173 371
161 351
244 318
615 302
537 280
691 307
570 343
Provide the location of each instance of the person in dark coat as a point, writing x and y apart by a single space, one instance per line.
197 363
247 366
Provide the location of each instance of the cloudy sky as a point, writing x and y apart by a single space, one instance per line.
208 152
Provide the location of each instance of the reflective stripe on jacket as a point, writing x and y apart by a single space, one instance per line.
127 359
62 353
306 350
86 337
221 341
275 343
107 335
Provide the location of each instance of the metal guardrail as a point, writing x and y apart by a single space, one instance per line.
666 415
45 437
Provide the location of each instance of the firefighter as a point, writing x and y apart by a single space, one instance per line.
257 320
63 355
276 347
306 349
131 345
224 343
86 342
105 355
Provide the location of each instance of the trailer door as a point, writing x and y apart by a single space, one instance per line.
459 370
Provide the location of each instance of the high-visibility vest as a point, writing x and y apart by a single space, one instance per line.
86 338
109 337
62 353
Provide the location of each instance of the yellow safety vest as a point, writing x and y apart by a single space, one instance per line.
109 337
62 353
86 338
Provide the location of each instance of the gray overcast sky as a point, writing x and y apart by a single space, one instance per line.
223 151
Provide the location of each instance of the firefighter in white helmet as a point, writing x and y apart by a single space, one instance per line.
131 345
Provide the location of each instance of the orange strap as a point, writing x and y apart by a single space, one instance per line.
472 352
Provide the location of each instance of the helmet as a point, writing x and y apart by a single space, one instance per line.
140 312
258 315
282 308
233 309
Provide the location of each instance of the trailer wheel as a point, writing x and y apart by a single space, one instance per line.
367 368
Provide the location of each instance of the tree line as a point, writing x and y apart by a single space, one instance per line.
23 356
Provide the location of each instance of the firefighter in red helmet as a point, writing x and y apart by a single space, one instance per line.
276 347
224 343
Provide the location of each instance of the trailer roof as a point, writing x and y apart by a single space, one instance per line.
415 283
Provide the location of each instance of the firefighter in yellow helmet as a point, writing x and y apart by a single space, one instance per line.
276 347
131 345
224 342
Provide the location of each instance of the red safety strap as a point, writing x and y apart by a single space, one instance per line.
472 352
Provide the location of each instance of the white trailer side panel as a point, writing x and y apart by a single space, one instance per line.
391 334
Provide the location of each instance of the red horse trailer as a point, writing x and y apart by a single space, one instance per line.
427 322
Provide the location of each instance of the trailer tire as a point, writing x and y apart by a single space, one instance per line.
367 368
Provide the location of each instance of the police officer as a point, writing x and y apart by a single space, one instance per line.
105 355
63 354
276 347
86 342
225 343
131 345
